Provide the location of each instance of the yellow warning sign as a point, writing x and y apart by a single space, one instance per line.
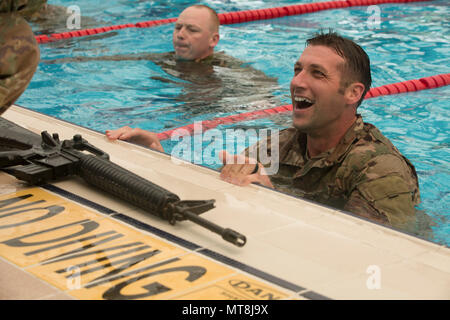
110 249
92 256
164 280
33 221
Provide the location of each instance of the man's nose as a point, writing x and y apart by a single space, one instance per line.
299 79
181 33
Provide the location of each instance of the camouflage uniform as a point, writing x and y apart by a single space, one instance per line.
364 174
29 9
19 52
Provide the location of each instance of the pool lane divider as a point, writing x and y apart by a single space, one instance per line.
413 85
230 17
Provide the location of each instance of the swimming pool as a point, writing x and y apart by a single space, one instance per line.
412 41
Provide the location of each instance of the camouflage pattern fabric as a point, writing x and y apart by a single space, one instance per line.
19 53
26 8
364 174
8 6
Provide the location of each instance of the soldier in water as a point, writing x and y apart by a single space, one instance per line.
330 155
212 81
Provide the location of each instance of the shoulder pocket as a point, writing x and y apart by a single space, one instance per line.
391 196
385 187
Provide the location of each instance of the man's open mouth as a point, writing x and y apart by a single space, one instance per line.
181 45
302 103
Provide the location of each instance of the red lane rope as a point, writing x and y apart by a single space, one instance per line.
436 81
230 17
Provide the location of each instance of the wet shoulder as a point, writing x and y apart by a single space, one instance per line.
221 59
371 137
372 151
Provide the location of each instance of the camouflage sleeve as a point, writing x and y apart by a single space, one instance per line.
386 192
26 8
19 57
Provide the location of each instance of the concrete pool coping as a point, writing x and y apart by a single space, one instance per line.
297 249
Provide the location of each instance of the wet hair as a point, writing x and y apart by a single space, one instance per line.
213 13
356 67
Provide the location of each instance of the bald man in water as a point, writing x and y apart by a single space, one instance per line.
211 81
195 36
196 33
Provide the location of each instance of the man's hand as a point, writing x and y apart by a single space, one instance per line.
136 135
242 171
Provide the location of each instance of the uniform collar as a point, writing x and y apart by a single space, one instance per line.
293 152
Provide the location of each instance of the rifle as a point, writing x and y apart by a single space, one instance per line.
41 159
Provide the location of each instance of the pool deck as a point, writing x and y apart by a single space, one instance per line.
295 249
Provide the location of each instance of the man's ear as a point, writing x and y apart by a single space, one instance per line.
354 92
214 40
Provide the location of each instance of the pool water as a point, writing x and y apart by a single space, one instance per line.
411 41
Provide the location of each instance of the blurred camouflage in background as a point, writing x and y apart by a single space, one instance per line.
19 51
26 8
